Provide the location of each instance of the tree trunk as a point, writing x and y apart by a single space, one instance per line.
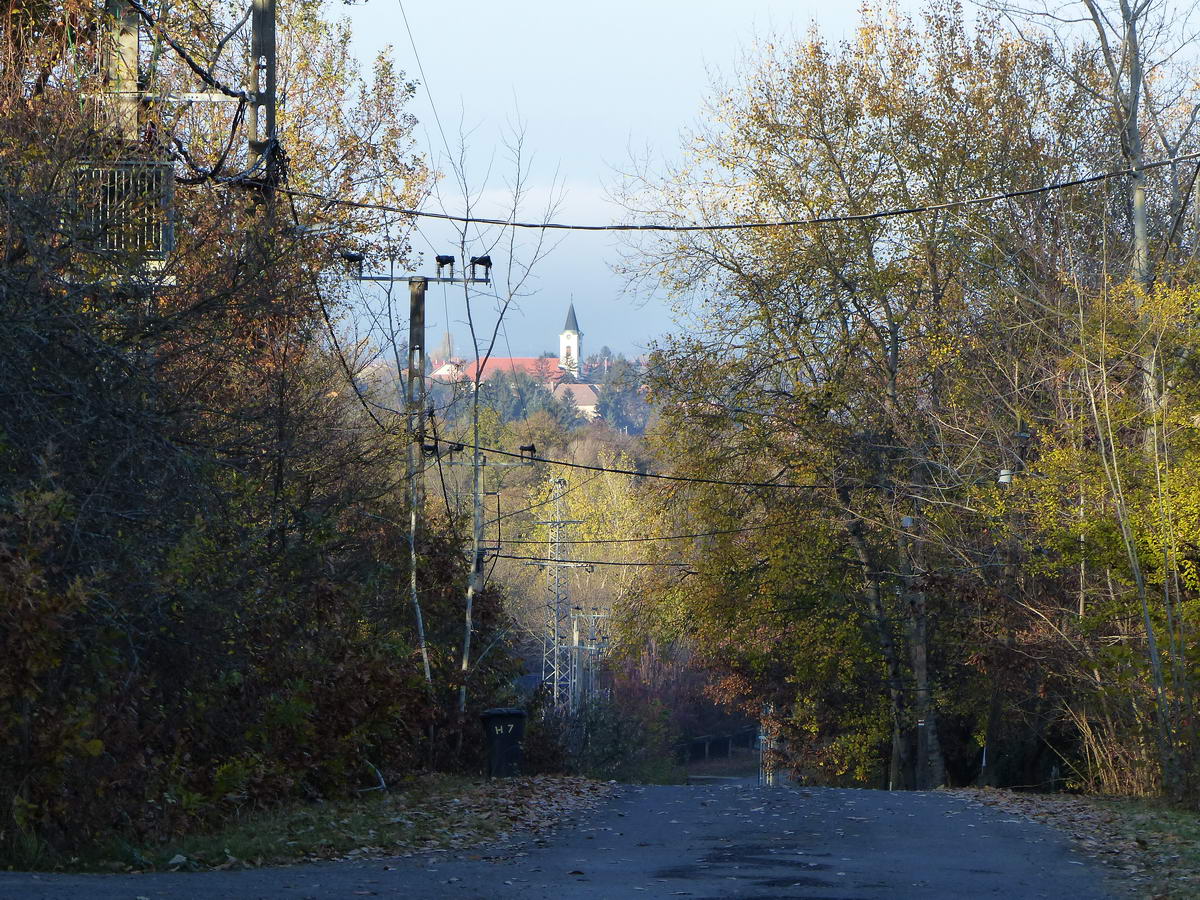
931 767
899 762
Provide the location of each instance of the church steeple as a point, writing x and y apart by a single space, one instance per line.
445 349
570 343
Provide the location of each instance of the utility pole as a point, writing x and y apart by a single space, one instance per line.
261 127
126 191
414 407
588 641
128 196
576 694
121 67
768 747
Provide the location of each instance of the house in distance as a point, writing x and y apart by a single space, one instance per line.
561 376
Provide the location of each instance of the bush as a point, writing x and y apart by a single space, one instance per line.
606 740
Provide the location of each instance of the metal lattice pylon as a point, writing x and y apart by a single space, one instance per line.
557 664
556 669
589 640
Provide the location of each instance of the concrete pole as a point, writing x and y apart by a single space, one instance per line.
261 127
576 666
121 67
415 408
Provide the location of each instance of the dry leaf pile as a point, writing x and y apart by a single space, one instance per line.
433 815
1151 851
506 808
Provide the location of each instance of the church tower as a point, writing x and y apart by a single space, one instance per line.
570 344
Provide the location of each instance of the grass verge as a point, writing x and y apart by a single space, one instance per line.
427 814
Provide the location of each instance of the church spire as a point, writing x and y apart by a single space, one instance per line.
570 344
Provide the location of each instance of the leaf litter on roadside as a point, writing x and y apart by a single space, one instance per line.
431 816
1154 851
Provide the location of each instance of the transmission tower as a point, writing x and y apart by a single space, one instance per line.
589 642
557 664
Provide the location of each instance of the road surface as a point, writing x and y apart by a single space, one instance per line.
731 840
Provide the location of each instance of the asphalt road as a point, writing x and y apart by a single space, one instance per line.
726 840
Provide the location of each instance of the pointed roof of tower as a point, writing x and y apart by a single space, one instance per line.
445 348
572 322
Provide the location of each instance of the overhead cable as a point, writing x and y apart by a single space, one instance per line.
424 79
643 540
742 226
589 562
204 74
636 474
517 512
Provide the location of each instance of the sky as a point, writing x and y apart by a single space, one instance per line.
589 84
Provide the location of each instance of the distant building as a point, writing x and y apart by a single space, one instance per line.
570 343
542 368
448 371
586 397
545 369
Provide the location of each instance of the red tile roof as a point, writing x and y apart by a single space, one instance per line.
542 368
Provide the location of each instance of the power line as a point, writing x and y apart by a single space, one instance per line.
424 78
636 474
244 97
441 472
742 226
203 73
517 512
642 540
589 562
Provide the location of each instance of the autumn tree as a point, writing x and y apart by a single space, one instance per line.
199 504
1125 57
830 355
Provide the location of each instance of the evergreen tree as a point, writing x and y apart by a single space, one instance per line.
622 402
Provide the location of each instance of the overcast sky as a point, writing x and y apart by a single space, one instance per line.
589 82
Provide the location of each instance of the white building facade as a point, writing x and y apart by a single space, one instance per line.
570 344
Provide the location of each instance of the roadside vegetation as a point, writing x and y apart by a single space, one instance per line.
955 541
419 815
202 581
